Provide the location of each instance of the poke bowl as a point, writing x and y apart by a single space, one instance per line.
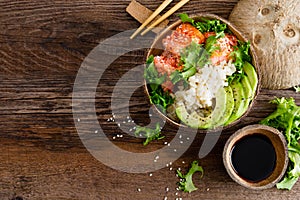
202 73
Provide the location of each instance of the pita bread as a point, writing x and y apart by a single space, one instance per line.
273 27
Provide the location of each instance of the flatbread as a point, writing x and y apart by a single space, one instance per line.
273 27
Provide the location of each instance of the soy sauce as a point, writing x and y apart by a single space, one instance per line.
253 157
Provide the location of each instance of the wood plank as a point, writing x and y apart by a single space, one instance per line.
42 45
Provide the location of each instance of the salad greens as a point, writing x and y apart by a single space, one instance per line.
297 88
240 55
158 97
205 25
186 184
287 119
150 134
192 57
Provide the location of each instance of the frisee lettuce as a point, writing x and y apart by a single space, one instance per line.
287 119
297 88
240 55
205 25
150 134
186 184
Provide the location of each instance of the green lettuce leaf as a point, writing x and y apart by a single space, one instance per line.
150 134
186 184
286 118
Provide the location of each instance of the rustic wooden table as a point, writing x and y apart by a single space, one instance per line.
42 46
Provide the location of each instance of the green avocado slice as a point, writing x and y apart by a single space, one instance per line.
239 101
193 120
248 92
220 107
252 76
228 108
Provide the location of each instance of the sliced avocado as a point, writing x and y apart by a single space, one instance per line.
252 75
248 91
193 120
220 107
228 109
182 113
239 101
201 122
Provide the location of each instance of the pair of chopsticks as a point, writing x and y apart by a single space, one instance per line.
162 18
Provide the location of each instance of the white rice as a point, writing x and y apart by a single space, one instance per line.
204 85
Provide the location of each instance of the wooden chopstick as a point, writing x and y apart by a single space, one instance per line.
166 15
151 17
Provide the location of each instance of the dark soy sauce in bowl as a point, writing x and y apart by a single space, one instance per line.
253 157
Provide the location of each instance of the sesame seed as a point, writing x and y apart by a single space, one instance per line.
167 165
179 169
114 138
176 193
150 174
169 144
119 124
127 117
175 150
207 189
187 138
108 120
170 163
78 120
130 129
166 198
183 162
124 122
121 135
134 128
129 121
180 198
157 157
166 143
132 121
118 135
171 168
139 189
180 136
155 160
177 189
167 189
96 131
181 142
150 115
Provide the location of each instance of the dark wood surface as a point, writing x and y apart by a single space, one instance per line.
42 45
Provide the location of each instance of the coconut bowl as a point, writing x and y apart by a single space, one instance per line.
157 48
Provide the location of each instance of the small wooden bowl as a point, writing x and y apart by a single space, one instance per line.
279 143
157 49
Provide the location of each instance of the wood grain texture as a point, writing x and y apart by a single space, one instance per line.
42 45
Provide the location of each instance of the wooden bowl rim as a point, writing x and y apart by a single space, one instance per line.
275 137
239 35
